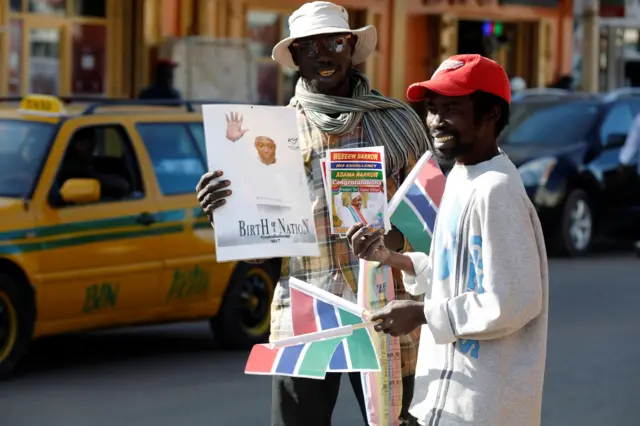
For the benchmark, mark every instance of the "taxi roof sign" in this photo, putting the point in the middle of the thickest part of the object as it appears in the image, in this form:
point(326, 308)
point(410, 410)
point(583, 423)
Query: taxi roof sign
point(42, 105)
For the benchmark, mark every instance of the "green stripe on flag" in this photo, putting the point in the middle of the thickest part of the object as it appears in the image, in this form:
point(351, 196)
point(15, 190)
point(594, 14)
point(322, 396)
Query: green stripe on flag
point(404, 218)
point(361, 351)
point(347, 318)
point(316, 359)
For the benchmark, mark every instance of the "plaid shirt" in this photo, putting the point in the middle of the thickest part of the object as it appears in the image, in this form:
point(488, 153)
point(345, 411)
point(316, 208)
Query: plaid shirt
point(336, 269)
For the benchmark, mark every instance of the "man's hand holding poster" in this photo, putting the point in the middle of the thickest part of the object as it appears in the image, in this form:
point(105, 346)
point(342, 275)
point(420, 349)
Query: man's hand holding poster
point(269, 213)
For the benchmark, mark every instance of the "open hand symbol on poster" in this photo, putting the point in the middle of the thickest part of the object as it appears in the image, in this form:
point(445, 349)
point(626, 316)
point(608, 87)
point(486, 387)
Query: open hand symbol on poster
point(234, 126)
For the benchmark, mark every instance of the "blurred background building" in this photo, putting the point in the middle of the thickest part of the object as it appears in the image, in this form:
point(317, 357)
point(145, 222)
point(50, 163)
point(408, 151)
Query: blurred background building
point(108, 48)
point(619, 28)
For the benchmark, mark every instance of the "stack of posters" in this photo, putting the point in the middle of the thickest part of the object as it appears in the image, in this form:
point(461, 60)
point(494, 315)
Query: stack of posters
point(356, 188)
point(269, 212)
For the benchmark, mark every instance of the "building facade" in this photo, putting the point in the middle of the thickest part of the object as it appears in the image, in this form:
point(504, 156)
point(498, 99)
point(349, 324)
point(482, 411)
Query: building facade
point(107, 48)
point(55, 46)
point(619, 43)
point(530, 38)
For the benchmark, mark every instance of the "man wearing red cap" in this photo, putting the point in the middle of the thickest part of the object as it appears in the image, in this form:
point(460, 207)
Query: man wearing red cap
point(484, 317)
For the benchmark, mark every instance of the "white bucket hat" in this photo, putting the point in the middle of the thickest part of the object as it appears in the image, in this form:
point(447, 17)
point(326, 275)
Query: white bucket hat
point(323, 17)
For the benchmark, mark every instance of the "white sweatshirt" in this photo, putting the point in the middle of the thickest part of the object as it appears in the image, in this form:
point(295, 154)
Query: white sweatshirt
point(482, 354)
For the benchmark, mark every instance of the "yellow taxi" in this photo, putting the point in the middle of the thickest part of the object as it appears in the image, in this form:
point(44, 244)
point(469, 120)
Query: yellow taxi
point(100, 226)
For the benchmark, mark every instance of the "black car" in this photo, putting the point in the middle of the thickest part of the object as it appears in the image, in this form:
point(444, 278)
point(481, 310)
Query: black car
point(566, 146)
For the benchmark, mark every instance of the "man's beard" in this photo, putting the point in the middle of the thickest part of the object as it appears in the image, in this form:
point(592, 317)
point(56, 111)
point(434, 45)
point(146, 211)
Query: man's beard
point(316, 86)
point(450, 154)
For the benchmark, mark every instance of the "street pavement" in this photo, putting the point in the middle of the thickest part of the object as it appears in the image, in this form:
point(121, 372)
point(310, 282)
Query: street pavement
point(173, 375)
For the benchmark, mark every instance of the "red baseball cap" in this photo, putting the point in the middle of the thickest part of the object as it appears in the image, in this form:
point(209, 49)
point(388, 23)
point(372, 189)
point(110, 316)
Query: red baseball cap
point(461, 75)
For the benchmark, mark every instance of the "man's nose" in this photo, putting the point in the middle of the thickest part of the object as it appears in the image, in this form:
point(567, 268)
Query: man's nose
point(323, 59)
point(323, 54)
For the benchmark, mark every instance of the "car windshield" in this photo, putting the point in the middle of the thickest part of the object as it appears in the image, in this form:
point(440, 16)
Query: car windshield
point(24, 144)
point(549, 122)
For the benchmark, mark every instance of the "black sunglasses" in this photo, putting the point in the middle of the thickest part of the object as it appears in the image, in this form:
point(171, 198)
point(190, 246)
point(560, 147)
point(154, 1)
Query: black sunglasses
point(335, 44)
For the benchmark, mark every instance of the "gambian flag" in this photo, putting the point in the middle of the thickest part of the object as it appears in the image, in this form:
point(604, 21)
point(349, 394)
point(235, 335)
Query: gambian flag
point(329, 336)
point(414, 206)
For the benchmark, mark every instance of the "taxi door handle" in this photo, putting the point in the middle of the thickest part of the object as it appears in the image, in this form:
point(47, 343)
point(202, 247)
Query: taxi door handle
point(146, 219)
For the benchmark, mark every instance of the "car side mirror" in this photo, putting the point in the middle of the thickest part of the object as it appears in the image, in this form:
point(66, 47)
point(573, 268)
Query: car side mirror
point(80, 191)
point(616, 140)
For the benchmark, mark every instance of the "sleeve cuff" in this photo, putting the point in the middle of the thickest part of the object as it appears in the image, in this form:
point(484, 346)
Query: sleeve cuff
point(420, 265)
point(437, 315)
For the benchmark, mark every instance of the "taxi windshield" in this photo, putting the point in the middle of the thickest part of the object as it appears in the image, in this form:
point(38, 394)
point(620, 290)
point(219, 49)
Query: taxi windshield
point(24, 145)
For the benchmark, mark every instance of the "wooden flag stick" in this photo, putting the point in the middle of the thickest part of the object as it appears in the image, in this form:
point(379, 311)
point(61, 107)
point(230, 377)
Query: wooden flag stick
point(364, 325)
point(331, 333)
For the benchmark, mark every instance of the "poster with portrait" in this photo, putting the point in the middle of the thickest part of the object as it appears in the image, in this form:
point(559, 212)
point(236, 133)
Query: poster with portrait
point(269, 213)
point(358, 188)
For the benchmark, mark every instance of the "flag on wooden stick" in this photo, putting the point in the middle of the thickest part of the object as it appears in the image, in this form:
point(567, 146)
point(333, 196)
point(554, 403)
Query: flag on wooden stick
point(330, 335)
point(414, 206)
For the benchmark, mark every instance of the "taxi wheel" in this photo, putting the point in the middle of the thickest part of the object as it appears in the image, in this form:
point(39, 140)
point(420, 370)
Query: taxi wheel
point(16, 323)
point(245, 317)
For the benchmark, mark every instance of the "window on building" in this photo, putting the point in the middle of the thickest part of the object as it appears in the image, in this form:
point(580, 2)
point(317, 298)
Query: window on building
point(48, 7)
point(269, 92)
point(176, 160)
point(289, 76)
point(273, 84)
point(89, 66)
point(358, 19)
point(16, 5)
point(104, 153)
point(90, 8)
point(44, 61)
point(14, 61)
point(39, 29)
point(264, 32)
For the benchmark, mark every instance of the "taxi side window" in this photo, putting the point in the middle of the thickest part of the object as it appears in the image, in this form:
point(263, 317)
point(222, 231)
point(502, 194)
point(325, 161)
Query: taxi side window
point(104, 153)
point(175, 156)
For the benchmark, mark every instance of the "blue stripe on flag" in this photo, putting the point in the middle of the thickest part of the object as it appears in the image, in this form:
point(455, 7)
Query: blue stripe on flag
point(339, 359)
point(329, 320)
point(289, 359)
point(327, 315)
point(416, 197)
point(410, 223)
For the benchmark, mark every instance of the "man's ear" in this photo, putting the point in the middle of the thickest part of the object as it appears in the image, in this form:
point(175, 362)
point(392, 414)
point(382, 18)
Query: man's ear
point(353, 41)
point(494, 114)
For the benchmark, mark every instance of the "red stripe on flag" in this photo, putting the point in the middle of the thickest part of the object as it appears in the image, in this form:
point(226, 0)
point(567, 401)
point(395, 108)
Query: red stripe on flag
point(261, 359)
point(303, 315)
point(432, 180)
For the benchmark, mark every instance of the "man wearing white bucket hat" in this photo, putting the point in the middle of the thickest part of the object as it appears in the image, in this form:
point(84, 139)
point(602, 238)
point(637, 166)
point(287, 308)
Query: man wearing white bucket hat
point(337, 109)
